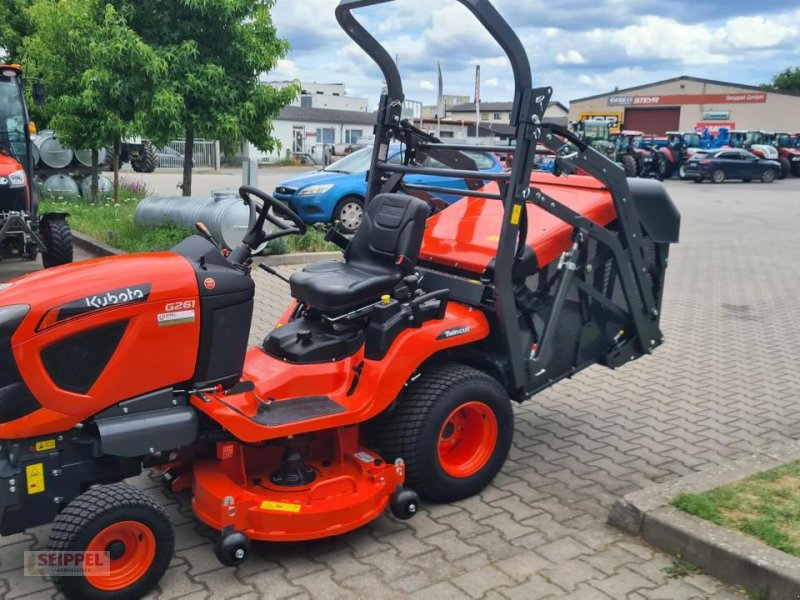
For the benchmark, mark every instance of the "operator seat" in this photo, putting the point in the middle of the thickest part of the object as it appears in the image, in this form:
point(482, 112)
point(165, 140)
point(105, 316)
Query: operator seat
point(384, 249)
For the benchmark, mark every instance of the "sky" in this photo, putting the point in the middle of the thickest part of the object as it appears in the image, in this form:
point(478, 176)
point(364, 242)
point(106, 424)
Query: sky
point(579, 47)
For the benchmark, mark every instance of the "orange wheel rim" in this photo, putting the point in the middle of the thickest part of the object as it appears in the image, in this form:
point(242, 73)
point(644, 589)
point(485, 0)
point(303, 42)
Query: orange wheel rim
point(132, 546)
point(467, 439)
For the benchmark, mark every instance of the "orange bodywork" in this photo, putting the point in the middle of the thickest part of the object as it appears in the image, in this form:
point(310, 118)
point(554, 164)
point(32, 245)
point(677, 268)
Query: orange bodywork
point(148, 357)
point(465, 234)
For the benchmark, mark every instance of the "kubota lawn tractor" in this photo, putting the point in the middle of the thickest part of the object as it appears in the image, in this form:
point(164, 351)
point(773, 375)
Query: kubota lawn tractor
point(23, 233)
point(390, 371)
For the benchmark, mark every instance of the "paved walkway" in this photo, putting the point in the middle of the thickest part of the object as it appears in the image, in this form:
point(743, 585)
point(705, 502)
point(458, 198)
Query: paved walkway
point(725, 382)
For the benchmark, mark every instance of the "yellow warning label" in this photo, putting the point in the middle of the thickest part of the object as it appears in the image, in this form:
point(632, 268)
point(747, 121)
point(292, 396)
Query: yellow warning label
point(280, 506)
point(35, 477)
point(45, 445)
point(493, 238)
point(515, 214)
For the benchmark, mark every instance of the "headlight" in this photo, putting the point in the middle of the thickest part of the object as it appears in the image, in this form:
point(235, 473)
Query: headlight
point(17, 179)
point(315, 190)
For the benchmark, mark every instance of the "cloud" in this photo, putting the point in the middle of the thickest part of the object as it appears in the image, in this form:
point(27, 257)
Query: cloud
point(570, 57)
point(426, 85)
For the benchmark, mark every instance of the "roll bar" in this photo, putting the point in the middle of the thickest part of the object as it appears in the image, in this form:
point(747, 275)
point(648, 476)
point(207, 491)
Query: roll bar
point(483, 10)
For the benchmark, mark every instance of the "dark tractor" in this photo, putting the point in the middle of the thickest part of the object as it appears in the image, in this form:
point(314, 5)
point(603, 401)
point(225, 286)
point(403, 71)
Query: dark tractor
point(638, 158)
point(757, 143)
point(681, 145)
point(23, 232)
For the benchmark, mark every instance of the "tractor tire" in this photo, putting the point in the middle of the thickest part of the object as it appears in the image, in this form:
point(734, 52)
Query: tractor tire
point(666, 168)
point(768, 176)
point(629, 164)
point(146, 163)
point(453, 428)
point(128, 523)
point(718, 176)
point(786, 168)
point(57, 238)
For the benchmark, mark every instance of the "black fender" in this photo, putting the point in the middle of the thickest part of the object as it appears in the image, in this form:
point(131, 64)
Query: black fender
point(53, 216)
point(657, 212)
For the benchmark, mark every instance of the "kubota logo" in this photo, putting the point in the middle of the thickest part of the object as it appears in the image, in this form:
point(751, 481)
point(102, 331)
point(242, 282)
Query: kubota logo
point(114, 297)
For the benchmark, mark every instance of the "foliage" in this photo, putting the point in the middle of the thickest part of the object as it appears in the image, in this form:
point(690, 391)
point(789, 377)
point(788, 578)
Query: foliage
point(788, 80)
point(14, 27)
point(766, 506)
point(112, 222)
point(215, 52)
point(312, 241)
point(101, 78)
point(679, 568)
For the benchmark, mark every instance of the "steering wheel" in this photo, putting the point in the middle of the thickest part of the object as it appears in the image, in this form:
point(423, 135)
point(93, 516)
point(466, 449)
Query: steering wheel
point(255, 236)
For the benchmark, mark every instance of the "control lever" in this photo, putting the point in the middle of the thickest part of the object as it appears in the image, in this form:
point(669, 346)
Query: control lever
point(203, 230)
point(272, 271)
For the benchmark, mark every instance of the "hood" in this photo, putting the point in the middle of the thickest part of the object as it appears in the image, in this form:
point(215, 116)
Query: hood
point(312, 178)
point(8, 165)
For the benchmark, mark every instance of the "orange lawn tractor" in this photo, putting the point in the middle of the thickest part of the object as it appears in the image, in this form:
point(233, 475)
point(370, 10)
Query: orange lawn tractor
point(388, 380)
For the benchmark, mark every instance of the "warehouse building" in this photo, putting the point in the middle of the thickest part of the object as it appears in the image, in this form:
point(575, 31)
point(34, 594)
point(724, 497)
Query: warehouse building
point(689, 103)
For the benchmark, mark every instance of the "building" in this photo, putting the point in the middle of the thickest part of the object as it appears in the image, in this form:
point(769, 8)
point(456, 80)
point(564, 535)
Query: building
point(500, 112)
point(325, 95)
point(429, 112)
point(689, 103)
point(303, 132)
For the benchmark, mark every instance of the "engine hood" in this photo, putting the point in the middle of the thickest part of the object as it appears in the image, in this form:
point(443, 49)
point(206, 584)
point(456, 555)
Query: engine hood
point(8, 165)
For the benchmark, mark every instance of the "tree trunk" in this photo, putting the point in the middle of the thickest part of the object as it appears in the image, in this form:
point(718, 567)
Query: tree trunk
point(117, 150)
point(188, 153)
point(95, 174)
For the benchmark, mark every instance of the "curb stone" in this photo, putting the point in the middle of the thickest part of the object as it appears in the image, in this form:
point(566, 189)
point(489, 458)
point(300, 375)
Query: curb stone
point(723, 553)
point(99, 248)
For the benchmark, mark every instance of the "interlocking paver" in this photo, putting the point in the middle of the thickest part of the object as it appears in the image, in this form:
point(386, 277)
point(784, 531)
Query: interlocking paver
point(725, 383)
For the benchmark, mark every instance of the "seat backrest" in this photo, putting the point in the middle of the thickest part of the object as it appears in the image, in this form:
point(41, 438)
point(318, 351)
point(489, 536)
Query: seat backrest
point(391, 232)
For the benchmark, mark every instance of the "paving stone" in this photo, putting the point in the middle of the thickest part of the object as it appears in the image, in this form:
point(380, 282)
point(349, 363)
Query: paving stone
point(476, 583)
point(533, 589)
point(569, 574)
point(622, 583)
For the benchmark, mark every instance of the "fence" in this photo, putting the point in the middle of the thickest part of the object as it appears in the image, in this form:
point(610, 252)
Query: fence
point(205, 155)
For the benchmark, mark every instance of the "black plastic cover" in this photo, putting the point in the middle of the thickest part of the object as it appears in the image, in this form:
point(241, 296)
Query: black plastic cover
point(306, 341)
point(656, 210)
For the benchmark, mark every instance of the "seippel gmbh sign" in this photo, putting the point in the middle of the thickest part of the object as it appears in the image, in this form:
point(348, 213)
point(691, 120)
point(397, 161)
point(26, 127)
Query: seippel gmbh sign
point(743, 98)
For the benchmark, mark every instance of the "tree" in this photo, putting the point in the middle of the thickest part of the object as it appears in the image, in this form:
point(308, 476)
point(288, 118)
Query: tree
point(101, 78)
point(14, 27)
point(215, 51)
point(788, 79)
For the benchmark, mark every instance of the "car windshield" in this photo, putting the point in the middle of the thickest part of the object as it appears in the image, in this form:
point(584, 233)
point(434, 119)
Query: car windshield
point(784, 141)
point(12, 118)
point(357, 162)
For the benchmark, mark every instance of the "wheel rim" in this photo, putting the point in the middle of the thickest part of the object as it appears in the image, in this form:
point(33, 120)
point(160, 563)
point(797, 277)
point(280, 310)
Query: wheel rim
point(769, 176)
point(718, 176)
point(351, 215)
point(467, 439)
point(682, 172)
point(138, 549)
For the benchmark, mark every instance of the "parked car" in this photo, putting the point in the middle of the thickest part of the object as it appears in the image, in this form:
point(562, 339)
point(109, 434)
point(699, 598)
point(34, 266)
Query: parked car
point(731, 163)
point(336, 193)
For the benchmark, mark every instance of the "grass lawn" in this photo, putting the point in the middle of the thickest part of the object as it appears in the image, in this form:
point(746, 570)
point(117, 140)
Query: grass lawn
point(113, 224)
point(765, 506)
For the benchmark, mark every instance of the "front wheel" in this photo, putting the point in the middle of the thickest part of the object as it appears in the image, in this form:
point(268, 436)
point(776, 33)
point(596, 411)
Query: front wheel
point(57, 238)
point(718, 176)
point(768, 176)
point(629, 164)
point(128, 524)
point(453, 428)
point(350, 213)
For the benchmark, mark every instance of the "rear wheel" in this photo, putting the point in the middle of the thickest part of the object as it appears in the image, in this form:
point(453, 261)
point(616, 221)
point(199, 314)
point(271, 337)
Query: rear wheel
point(349, 212)
point(665, 167)
point(629, 164)
point(768, 176)
point(146, 163)
point(57, 238)
point(786, 168)
point(453, 428)
point(128, 524)
point(718, 176)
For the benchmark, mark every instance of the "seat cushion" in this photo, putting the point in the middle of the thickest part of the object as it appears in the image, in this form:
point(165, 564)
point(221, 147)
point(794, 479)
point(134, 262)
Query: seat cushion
point(335, 287)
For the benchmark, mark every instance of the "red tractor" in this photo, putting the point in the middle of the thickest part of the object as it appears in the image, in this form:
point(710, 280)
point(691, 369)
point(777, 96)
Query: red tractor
point(392, 369)
point(756, 142)
point(637, 155)
point(788, 147)
point(23, 232)
point(680, 146)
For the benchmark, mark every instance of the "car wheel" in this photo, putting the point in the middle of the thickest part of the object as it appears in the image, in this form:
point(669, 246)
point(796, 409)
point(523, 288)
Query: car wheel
point(682, 172)
point(349, 212)
point(768, 176)
point(718, 176)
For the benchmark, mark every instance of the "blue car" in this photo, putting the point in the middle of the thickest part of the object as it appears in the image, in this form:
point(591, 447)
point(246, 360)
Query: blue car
point(731, 163)
point(336, 193)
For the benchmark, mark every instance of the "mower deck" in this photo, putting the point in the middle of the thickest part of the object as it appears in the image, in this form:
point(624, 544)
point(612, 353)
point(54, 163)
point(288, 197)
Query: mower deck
point(465, 235)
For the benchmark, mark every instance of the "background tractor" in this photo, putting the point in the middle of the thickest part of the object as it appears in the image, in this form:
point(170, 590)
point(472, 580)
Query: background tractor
point(757, 143)
point(680, 146)
point(788, 147)
point(23, 233)
point(637, 157)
